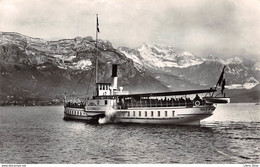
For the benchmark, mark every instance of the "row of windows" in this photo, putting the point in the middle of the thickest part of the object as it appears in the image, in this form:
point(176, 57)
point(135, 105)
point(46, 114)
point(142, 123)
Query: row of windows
point(73, 112)
point(98, 103)
point(152, 113)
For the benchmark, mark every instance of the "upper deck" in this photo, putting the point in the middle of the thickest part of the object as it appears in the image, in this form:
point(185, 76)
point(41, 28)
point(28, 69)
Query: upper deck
point(161, 99)
point(158, 94)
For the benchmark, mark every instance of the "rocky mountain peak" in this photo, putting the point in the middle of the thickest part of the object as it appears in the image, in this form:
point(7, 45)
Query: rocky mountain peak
point(37, 68)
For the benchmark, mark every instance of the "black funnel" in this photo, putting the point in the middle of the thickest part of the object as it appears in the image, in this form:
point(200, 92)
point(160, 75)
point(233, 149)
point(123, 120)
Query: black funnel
point(114, 70)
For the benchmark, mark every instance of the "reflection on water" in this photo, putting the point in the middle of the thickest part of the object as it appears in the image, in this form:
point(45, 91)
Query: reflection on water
point(40, 135)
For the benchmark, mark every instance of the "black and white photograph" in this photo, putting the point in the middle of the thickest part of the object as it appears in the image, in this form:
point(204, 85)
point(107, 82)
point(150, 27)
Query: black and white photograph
point(171, 82)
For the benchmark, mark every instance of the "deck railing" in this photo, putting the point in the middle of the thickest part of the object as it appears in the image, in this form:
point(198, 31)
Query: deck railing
point(187, 104)
point(75, 105)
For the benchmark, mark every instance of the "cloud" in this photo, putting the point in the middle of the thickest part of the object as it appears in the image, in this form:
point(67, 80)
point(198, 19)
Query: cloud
point(224, 27)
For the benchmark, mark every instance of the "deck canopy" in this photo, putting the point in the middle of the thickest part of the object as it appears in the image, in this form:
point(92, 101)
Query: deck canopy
point(176, 93)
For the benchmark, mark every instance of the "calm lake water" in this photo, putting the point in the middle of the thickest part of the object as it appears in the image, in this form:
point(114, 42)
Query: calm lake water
point(40, 135)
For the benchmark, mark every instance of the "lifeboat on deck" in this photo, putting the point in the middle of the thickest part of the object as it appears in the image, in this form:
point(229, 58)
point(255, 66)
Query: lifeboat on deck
point(217, 100)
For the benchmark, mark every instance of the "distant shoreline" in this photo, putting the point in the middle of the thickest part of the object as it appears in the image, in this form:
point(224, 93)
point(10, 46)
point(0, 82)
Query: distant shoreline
point(29, 105)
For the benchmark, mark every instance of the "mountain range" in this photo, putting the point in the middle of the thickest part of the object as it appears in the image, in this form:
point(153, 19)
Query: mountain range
point(36, 71)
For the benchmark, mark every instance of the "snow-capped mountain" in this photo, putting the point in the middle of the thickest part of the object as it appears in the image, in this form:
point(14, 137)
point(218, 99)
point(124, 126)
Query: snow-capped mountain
point(162, 59)
point(160, 56)
point(233, 60)
point(134, 55)
point(33, 68)
point(63, 52)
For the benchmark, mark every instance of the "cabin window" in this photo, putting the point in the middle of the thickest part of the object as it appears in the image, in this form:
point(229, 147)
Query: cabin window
point(139, 113)
point(151, 113)
point(173, 113)
point(145, 113)
point(105, 102)
point(134, 113)
point(158, 113)
point(98, 102)
point(128, 113)
point(165, 113)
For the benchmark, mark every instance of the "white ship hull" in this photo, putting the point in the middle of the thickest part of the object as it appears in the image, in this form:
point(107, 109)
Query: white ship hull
point(157, 115)
point(165, 121)
point(76, 117)
point(168, 115)
point(82, 114)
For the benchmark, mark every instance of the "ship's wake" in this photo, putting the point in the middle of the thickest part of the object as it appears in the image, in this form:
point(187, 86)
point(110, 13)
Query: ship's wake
point(110, 117)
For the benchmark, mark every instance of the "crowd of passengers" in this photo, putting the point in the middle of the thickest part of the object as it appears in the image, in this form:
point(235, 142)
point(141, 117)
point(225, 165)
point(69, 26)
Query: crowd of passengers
point(166, 102)
point(75, 105)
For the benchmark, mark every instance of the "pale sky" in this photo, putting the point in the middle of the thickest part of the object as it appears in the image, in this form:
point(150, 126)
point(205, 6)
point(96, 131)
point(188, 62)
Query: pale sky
point(222, 28)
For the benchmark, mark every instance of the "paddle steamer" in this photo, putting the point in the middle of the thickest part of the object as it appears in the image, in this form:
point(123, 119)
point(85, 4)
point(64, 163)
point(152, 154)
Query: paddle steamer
point(114, 105)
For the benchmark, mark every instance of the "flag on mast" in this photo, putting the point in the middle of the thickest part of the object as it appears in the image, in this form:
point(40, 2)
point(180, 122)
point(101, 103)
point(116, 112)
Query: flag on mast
point(220, 80)
point(97, 25)
point(223, 86)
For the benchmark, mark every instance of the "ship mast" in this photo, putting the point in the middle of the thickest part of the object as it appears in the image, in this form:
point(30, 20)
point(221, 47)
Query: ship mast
point(97, 31)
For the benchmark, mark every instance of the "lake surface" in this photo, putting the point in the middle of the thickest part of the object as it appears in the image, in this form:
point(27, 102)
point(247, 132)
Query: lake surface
point(40, 135)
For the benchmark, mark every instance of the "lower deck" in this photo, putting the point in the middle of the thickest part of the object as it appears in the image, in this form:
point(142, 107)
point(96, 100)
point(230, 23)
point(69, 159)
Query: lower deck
point(167, 115)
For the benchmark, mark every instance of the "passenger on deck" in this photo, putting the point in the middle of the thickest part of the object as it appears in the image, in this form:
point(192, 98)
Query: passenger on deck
point(188, 102)
point(197, 98)
point(182, 101)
